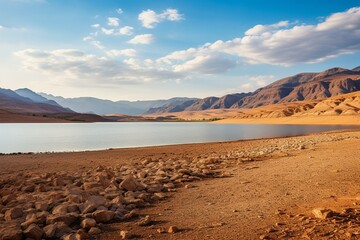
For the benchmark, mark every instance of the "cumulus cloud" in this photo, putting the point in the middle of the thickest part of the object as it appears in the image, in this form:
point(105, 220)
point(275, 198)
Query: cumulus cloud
point(73, 64)
point(281, 43)
point(150, 18)
point(113, 21)
point(142, 39)
point(91, 40)
point(123, 52)
point(262, 80)
point(127, 30)
point(209, 64)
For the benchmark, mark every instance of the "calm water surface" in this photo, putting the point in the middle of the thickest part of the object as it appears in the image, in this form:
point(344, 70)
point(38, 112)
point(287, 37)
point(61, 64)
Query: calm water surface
point(43, 137)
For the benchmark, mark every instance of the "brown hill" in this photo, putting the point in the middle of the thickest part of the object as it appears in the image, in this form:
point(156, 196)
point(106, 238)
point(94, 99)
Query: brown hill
point(15, 108)
point(300, 87)
point(12, 102)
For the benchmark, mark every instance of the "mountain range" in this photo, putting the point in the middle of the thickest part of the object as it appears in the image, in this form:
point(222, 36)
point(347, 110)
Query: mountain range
point(300, 87)
point(102, 107)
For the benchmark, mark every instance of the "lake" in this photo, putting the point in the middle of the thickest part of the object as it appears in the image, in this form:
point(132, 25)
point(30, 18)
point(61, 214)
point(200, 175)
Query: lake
point(47, 137)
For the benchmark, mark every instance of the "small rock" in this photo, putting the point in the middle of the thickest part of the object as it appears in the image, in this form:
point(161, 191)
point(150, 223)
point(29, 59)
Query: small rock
point(322, 213)
point(125, 235)
point(11, 232)
point(40, 206)
point(161, 230)
point(88, 223)
point(131, 184)
point(94, 231)
point(34, 232)
point(72, 236)
point(103, 216)
point(173, 229)
point(146, 221)
point(13, 213)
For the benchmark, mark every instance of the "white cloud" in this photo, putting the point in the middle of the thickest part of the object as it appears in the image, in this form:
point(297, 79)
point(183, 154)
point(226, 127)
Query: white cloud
point(124, 52)
point(113, 21)
point(142, 39)
point(281, 43)
point(127, 30)
point(2, 27)
point(93, 42)
point(209, 64)
point(88, 69)
point(107, 31)
point(95, 25)
point(150, 18)
point(119, 11)
point(262, 80)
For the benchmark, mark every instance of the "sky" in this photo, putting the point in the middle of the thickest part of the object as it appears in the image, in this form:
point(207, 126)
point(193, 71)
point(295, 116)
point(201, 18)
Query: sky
point(158, 49)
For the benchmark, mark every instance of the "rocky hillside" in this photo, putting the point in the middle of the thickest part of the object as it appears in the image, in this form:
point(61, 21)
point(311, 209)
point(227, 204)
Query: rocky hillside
point(13, 102)
point(300, 87)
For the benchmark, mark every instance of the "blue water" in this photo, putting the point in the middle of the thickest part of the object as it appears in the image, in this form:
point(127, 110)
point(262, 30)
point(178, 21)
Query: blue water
point(45, 137)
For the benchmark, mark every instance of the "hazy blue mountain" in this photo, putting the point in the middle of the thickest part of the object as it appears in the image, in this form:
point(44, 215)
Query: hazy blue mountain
point(13, 102)
point(25, 92)
point(101, 106)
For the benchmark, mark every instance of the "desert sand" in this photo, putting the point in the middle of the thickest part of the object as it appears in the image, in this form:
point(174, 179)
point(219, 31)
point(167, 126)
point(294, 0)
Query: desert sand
point(256, 189)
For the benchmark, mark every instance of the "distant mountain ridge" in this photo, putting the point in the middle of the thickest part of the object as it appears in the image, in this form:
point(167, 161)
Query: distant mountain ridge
point(15, 103)
point(300, 87)
point(102, 107)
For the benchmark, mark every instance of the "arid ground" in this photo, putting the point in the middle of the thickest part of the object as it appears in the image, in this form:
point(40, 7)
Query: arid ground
point(259, 189)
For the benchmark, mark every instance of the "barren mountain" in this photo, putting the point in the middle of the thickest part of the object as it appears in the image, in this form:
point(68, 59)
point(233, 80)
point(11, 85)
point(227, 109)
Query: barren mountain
point(300, 87)
point(16, 108)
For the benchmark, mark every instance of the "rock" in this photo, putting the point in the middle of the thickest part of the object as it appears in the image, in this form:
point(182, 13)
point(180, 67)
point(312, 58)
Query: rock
point(94, 231)
point(91, 185)
point(322, 213)
point(29, 188)
point(40, 206)
point(103, 216)
point(34, 232)
point(60, 209)
point(161, 230)
point(131, 184)
point(11, 232)
point(146, 221)
point(159, 196)
point(13, 213)
point(56, 230)
point(68, 218)
point(173, 229)
point(125, 235)
point(72, 236)
point(133, 213)
point(30, 219)
point(8, 198)
point(88, 223)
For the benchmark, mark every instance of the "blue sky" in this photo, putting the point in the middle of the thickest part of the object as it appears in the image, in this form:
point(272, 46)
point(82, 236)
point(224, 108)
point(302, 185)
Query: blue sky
point(136, 49)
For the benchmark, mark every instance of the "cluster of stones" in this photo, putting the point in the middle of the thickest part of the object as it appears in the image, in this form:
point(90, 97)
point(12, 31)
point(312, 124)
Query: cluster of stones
point(77, 205)
point(323, 224)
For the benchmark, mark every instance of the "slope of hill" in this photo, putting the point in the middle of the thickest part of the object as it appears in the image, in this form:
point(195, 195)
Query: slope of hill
point(16, 108)
point(102, 107)
point(341, 109)
point(27, 93)
point(12, 102)
point(300, 87)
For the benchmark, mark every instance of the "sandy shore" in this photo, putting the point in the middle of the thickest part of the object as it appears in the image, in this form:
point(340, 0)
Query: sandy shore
point(236, 190)
point(308, 120)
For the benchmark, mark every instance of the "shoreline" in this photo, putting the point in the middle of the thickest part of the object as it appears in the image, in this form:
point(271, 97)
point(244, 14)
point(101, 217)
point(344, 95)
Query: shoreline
point(302, 120)
point(204, 189)
point(177, 145)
